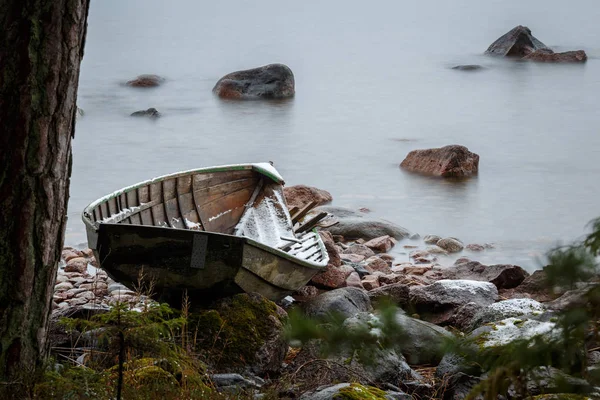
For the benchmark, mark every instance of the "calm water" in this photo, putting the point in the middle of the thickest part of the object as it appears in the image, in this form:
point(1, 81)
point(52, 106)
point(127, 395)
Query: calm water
point(373, 82)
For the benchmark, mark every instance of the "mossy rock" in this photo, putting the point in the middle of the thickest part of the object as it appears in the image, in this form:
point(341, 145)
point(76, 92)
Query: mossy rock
point(242, 333)
point(162, 377)
point(359, 392)
point(152, 376)
point(560, 396)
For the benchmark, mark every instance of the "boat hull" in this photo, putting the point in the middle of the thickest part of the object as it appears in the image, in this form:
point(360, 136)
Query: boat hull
point(203, 264)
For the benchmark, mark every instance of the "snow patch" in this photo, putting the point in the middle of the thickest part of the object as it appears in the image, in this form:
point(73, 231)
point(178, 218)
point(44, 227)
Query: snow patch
point(266, 223)
point(467, 285)
point(523, 306)
point(219, 215)
point(512, 329)
point(124, 213)
point(270, 169)
point(192, 225)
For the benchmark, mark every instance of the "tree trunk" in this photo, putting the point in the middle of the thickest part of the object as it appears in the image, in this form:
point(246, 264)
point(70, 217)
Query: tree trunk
point(41, 46)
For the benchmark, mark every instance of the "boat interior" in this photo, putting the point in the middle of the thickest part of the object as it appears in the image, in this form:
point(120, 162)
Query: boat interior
point(244, 202)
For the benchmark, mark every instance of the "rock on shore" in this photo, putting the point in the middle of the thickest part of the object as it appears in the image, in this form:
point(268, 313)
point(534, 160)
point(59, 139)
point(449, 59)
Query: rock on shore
point(273, 81)
point(354, 224)
point(301, 195)
point(452, 161)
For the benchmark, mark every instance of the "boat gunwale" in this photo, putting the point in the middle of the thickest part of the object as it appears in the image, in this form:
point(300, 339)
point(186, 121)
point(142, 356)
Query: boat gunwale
point(305, 263)
point(257, 167)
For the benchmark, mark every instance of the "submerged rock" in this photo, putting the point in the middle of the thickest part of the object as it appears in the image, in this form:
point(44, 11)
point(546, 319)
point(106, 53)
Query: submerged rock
point(151, 112)
point(451, 245)
point(518, 42)
point(468, 67)
point(146, 81)
point(452, 161)
point(432, 239)
point(546, 55)
point(273, 81)
point(301, 195)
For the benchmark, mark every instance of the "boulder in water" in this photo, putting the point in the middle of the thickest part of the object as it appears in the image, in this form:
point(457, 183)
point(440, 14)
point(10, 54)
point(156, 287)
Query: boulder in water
point(518, 42)
point(146, 81)
point(273, 81)
point(547, 55)
point(468, 67)
point(151, 112)
point(452, 161)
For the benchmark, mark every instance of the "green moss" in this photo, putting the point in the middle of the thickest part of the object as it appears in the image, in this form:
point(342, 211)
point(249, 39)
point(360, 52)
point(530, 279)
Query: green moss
point(74, 383)
point(559, 396)
point(519, 322)
point(152, 376)
point(359, 392)
point(232, 334)
point(481, 340)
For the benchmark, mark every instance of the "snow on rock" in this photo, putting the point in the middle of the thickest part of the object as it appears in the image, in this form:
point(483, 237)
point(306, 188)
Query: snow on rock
point(506, 309)
point(464, 285)
point(511, 329)
point(439, 301)
point(517, 305)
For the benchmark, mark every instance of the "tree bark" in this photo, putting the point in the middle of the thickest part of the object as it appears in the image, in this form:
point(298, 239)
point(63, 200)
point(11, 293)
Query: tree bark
point(41, 47)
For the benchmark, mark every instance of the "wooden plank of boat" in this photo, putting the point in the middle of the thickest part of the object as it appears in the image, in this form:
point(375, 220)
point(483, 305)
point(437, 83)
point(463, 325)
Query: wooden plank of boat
point(300, 214)
point(311, 223)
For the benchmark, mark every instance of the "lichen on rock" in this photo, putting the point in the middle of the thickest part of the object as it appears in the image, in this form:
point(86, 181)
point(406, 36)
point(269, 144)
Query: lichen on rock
point(359, 392)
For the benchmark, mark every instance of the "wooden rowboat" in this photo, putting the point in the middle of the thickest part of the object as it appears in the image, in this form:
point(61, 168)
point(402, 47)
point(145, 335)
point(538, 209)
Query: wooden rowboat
point(210, 232)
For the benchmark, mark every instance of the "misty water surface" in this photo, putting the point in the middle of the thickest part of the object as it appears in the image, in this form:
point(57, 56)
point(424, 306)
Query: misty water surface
point(373, 82)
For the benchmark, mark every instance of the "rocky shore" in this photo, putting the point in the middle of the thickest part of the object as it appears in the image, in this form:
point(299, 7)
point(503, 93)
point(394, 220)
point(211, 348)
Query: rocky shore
point(494, 303)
